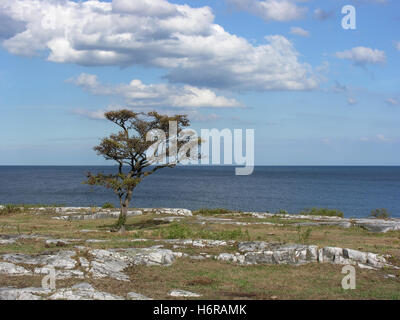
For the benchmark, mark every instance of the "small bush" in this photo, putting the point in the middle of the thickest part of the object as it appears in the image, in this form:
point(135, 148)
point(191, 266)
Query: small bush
point(303, 236)
point(322, 212)
point(108, 205)
point(380, 213)
point(281, 211)
point(10, 208)
point(206, 211)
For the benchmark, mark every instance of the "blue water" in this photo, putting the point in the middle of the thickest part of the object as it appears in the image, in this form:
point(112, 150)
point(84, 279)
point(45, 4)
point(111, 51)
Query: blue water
point(354, 190)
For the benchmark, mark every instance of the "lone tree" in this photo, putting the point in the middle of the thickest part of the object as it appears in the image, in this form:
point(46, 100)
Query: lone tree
point(145, 143)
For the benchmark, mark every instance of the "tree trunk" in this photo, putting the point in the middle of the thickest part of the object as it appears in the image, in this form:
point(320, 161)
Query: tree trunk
point(122, 218)
point(124, 211)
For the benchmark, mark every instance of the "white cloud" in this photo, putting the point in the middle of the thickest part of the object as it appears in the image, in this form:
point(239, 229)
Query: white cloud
point(392, 102)
point(382, 138)
point(379, 138)
point(178, 38)
point(397, 45)
point(136, 93)
point(271, 10)
point(351, 101)
point(299, 32)
point(363, 56)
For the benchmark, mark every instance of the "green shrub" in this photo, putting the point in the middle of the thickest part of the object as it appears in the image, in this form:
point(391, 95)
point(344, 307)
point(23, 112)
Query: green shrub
point(206, 211)
point(108, 205)
point(281, 211)
point(303, 236)
point(380, 213)
point(322, 212)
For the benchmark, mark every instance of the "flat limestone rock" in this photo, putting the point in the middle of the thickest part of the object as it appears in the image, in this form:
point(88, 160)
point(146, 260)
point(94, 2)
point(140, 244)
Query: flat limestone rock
point(137, 296)
point(184, 293)
point(30, 293)
point(370, 224)
point(378, 225)
point(201, 243)
point(259, 252)
point(82, 291)
point(111, 263)
point(169, 211)
point(12, 269)
point(62, 259)
point(60, 274)
point(343, 224)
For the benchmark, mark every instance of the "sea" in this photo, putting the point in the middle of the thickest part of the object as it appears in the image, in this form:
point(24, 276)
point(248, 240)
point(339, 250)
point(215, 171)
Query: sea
point(354, 190)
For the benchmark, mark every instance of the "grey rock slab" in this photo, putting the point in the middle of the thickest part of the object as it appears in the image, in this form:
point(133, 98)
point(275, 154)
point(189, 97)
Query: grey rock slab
point(12, 269)
point(112, 262)
point(61, 259)
point(378, 225)
point(112, 269)
point(60, 274)
point(82, 291)
point(201, 243)
point(183, 293)
point(342, 224)
point(137, 296)
point(259, 252)
point(7, 241)
point(169, 211)
point(30, 293)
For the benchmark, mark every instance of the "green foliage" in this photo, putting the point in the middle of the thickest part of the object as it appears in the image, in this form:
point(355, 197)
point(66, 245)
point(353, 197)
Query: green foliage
point(281, 211)
point(15, 208)
point(303, 236)
point(322, 212)
point(207, 211)
point(108, 205)
point(380, 213)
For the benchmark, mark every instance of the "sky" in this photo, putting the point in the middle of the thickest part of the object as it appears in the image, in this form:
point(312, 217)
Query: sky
point(314, 92)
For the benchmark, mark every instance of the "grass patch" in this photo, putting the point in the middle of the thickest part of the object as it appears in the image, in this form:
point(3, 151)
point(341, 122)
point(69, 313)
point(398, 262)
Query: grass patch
point(322, 212)
point(183, 231)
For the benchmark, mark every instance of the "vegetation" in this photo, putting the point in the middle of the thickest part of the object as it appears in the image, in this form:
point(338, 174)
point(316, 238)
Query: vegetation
point(303, 236)
point(10, 208)
point(108, 205)
point(181, 231)
point(207, 211)
point(144, 144)
point(380, 213)
point(322, 212)
point(212, 278)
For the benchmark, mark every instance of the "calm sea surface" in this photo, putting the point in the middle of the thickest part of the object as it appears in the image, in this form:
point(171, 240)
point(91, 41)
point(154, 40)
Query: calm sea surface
point(354, 190)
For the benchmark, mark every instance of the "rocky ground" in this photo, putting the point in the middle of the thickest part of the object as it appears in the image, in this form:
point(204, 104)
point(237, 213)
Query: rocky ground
point(174, 254)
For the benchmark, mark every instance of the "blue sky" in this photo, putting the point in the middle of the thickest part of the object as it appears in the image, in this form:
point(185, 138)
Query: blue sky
point(314, 93)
